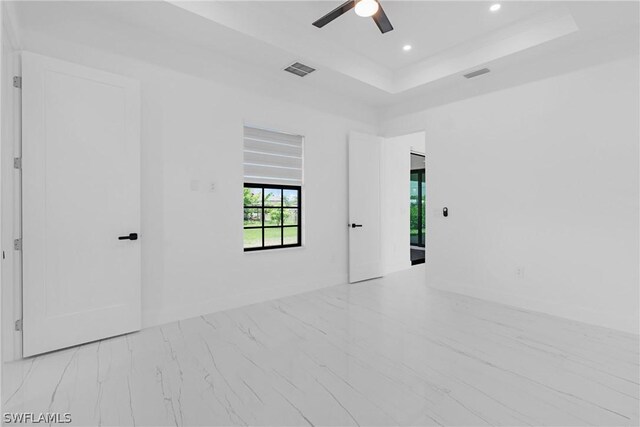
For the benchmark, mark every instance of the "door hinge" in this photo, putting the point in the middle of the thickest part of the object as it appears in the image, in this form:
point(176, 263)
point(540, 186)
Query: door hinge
point(17, 163)
point(17, 244)
point(18, 325)
point(17, 82)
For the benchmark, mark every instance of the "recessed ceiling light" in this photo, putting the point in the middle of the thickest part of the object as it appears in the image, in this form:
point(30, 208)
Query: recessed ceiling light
point(407, 47)
point(495, 7)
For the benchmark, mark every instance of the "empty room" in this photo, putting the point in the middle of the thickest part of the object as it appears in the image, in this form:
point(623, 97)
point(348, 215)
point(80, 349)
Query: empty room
point(320, 213)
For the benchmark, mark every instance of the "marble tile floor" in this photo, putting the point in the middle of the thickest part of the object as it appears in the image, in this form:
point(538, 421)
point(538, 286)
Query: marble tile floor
point(380, 353)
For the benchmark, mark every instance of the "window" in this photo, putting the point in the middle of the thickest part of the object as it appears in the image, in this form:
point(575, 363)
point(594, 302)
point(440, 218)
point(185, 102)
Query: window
point(417, 207)
point(272, 189)
point(271, 216)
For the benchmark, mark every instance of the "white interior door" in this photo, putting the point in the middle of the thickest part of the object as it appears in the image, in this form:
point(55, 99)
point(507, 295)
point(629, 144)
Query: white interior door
point(81, 192)
point(364, 207)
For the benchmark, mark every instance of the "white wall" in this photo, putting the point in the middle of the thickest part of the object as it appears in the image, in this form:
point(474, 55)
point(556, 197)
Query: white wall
point(395, 194)
point(543, 177)
point(192, 256)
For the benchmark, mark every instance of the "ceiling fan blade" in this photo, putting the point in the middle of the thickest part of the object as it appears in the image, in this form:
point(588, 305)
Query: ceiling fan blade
point(342, 9)
point(382, 21)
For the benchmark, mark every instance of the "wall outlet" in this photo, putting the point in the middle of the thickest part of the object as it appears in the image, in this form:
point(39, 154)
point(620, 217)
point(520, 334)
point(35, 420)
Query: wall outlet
point(520, 272)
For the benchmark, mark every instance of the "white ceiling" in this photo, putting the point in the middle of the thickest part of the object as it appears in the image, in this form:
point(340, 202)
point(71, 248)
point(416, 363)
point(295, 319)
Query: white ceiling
point(429, 27)
point(256, 40)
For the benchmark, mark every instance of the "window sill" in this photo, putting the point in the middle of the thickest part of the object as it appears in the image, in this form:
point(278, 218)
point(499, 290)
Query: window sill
point(274, 250)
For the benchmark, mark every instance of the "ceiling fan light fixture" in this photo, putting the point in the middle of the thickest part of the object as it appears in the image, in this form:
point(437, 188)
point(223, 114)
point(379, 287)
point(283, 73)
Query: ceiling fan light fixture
point(367, 8)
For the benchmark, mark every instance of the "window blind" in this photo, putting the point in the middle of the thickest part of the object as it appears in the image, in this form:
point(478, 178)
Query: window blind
point(272, 157)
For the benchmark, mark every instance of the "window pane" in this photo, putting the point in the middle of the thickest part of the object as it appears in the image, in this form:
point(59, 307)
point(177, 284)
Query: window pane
point(272, 197)
point(272, 236)
point(290, 216)
point(290, 235)
point(273, 216)
point(252, 196)
point(290, 197)
point(423, 233)
point(413, 208)
point(252, 216)
point(252, 237)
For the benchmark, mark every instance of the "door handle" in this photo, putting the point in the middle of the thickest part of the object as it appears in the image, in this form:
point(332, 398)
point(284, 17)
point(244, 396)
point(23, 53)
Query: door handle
point(354, 225)
point(131, 236)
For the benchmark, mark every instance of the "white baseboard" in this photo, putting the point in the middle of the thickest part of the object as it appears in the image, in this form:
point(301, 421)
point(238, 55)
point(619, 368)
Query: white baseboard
point(623, 322)
point(152, 318)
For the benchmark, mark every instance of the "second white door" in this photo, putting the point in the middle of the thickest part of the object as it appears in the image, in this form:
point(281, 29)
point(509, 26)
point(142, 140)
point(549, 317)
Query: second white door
point(365, 254)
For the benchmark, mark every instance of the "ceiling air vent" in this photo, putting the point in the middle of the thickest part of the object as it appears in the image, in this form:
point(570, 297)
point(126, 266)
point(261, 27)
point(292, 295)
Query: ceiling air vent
point(299, 69)
point(477, 73)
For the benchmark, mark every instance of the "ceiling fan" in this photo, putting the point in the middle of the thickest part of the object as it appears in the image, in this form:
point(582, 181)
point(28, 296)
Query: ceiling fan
point(364, 8)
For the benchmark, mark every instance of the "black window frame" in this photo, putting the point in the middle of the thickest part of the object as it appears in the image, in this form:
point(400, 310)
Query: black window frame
point(282, 226)
point(422, 178)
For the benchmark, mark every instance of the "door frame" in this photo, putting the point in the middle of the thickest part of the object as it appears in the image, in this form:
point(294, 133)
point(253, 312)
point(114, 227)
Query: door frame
point(10, 187)
point(10, 195)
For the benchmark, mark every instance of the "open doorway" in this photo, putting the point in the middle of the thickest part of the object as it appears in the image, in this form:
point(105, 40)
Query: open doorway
point(417, 208)
point(396, 213)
